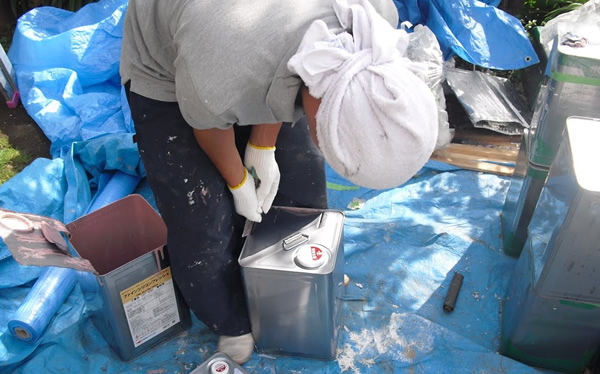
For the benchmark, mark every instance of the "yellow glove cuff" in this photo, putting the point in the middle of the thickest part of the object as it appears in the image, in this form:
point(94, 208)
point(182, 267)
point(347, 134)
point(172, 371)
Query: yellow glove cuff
point(261, 148)
point(242, 182)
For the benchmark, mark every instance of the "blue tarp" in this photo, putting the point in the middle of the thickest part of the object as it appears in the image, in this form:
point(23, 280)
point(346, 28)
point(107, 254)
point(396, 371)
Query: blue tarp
point(476, 31)
point(402, 247)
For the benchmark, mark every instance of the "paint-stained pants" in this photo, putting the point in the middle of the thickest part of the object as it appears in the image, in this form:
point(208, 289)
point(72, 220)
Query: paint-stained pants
point(204, 231)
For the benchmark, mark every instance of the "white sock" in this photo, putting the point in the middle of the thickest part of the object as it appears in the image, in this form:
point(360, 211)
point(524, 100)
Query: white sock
point(238, 348)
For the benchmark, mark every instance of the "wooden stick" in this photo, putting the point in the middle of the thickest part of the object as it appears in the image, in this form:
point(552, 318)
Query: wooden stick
point(477, 158)
point(484, 153)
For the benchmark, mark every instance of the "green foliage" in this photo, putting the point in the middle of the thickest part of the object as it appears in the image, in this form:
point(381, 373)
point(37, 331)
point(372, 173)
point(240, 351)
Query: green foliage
point(538, 12)
point(19, 7)
point(5, 41)
point(12, 161)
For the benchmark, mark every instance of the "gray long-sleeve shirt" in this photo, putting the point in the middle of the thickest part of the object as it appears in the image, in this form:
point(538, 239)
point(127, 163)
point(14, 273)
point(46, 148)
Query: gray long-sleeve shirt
point(223, 61)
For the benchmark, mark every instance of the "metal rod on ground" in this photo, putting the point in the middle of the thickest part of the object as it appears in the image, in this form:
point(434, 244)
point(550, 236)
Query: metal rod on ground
point(452, 294)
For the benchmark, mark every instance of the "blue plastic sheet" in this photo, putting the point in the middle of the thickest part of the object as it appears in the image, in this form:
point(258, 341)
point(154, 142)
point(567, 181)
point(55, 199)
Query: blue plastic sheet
point(68, 71)
point(476, 31)
point(402, 246)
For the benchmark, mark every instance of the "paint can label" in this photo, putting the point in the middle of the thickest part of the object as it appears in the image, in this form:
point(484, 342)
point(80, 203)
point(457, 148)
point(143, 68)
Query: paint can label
point(150, 306)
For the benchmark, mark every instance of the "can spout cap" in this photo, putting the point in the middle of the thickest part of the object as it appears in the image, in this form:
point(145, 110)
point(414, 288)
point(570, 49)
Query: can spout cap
point(312, 256)
point(219, 367)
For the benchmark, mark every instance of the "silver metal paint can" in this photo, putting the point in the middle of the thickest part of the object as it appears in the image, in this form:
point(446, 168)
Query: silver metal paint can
point(292, 268)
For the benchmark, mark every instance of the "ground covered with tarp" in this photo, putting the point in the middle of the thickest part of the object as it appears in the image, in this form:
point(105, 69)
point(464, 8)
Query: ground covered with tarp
point(402, 246)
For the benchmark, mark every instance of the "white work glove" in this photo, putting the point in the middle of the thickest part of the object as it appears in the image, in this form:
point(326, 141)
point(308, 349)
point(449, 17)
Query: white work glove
point(261, 161)
point(244, 199)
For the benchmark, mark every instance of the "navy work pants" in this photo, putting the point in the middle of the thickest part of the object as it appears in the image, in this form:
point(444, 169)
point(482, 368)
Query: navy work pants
point(204, 231)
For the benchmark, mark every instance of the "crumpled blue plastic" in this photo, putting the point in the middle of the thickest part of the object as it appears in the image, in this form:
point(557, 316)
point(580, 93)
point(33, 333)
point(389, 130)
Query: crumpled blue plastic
point(477, 32)
point(67, 68)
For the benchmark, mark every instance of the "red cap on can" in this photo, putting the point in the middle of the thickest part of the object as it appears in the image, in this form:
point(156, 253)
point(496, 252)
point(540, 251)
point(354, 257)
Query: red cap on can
point(219, 367)
point(312, 256)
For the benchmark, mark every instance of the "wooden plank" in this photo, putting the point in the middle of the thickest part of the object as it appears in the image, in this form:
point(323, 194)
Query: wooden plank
point(476, 165)
point(484, 153)
point(478, 158)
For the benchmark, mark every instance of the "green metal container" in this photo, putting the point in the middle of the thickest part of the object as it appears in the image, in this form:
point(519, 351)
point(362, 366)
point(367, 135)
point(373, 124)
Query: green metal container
point(572, 89)
point(551, 313)
point(543, 332)
point(525, 187)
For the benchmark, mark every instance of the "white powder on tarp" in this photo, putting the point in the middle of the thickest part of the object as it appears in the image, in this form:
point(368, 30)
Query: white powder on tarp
point(369, 345)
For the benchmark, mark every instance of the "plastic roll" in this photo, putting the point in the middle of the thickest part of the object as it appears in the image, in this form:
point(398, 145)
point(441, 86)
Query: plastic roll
point(119, 186)
point(46, 296)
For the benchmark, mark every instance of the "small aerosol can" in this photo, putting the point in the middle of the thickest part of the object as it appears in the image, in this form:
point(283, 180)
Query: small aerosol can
point(219, 363)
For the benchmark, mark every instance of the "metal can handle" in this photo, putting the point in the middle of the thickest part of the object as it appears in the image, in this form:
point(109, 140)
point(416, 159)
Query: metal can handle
point(293, 241)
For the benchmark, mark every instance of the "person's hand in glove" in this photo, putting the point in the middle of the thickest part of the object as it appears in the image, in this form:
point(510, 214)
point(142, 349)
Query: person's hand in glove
point(261, 160)
point(245, 199)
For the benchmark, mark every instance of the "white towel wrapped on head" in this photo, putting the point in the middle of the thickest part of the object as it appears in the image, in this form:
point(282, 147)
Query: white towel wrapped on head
point(377, 123)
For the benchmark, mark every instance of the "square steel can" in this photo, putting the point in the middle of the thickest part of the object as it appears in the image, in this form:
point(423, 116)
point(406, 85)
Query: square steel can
point(292, 267)
point(133, 299)
point(551, 313)
point(572, 89)
point(526, 185)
